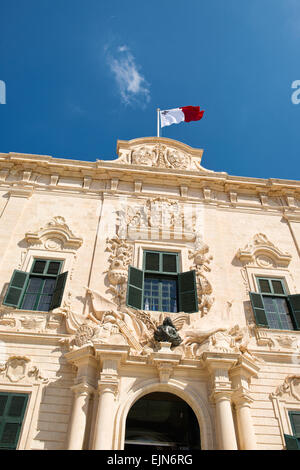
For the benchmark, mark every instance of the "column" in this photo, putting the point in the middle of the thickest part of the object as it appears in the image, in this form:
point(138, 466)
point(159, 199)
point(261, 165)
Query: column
point(245, 426)
point(110, 358)
point(218, 365)
point(103, 437)
point(245, 368)
point(82, 393)
point(224, 420)
point(85, 384)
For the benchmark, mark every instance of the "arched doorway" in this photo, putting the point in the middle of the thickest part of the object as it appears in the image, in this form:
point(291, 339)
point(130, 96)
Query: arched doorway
point(159, 421)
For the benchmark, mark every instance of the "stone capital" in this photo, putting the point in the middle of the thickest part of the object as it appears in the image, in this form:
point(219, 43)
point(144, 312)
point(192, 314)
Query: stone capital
point(218, 366)
point(78, 356)
point(242, 372)
point(241, 397)
point(108, 383)
point(85, 362)
point(220, 394)
point(216, 360)
point(82, 388)
point(109, 353)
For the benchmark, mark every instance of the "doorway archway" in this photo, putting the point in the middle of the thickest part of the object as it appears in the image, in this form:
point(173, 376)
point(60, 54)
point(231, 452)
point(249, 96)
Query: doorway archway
point(161, 421)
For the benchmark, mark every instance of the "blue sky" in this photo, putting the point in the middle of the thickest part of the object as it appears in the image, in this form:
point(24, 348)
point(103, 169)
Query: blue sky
point(81, 74)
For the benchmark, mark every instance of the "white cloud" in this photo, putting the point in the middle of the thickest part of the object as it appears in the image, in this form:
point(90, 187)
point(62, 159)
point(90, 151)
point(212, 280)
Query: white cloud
point(132, 86)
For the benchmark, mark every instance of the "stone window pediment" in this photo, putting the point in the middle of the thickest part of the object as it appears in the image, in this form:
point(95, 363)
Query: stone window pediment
point(55, 235)
point(263, 253)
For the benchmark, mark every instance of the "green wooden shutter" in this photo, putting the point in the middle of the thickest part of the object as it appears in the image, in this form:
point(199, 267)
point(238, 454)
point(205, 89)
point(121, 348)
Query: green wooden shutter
point(291, 442)
point(16, 288)
point(258, 309)
point(187, 292)
point(58, 290)
point(135, 288)
point(294, 302)
point(12, 410)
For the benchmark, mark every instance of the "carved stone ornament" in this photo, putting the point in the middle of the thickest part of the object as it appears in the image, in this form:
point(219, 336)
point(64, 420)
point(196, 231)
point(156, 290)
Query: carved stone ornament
point(200, 264)
point(17, 369)
point(108, 323)
point(169, 219)
point(120, 258)
point(217, 339)
point(263, 253)
point(22, 320)
point(55, 235)
point(160, 153)
point(289, 389)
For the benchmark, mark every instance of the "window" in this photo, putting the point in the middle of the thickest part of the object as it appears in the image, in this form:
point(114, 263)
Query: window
point(293, 442)
point(12, 410)
point(160, 286)
point(273, 308)
point(40, 289)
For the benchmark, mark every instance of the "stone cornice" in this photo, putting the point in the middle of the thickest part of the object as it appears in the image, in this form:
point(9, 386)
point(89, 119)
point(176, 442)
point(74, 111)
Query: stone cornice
point(33, 338)
point(111, 169)
point(24, 174)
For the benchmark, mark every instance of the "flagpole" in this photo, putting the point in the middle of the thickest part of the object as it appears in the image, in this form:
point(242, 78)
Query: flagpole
point(158, 110)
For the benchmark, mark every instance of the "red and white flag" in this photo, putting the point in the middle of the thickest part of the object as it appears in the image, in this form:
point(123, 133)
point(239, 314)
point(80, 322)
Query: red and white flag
point(177, 115)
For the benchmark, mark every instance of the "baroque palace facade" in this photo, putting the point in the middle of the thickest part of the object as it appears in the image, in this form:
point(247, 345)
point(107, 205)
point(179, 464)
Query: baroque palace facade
point(147, 303)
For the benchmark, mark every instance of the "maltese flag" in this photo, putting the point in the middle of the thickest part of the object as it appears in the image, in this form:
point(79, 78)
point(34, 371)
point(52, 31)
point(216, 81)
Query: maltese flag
point(177, 115)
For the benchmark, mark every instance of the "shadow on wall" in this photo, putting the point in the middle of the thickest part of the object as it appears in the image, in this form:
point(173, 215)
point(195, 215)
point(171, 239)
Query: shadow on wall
point(55, 408)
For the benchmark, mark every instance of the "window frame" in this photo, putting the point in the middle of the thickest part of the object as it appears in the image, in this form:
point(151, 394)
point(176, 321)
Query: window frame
point(44, 276)
point(271, 294)
point(135, 291)
point(295, 434)
point(9, 419)
point(161, 275)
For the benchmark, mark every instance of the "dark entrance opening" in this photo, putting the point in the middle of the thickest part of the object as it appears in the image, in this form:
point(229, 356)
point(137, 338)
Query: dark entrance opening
point(161, 421)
